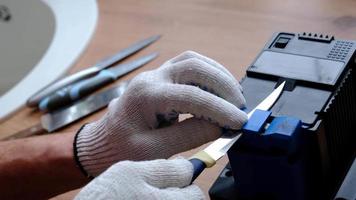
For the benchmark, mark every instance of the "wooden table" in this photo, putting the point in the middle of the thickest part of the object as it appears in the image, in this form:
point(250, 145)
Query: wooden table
point(231, 32)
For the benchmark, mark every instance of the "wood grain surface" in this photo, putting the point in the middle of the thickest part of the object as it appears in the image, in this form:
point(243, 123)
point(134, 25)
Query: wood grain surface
point(229, 31)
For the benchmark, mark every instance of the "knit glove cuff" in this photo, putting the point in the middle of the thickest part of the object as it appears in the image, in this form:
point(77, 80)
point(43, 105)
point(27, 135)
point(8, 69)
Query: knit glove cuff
point(91, 149)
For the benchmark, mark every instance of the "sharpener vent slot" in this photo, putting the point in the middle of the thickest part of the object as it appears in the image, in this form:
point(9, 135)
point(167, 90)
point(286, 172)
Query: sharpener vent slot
point(340, 50)
point(315, 37)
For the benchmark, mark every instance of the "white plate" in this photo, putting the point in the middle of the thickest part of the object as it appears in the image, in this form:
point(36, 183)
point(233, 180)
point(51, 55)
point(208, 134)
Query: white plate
point(39, 41)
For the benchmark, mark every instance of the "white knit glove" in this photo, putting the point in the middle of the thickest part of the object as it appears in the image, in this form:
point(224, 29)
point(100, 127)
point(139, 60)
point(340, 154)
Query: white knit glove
point(157, 179)
point(142, 123)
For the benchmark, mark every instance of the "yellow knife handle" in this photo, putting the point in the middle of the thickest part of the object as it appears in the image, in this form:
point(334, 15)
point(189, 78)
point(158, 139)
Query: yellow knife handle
point(200, 161)
point(205, 158)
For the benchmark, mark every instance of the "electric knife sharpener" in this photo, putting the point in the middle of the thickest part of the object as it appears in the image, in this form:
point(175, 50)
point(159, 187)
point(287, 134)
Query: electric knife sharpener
point(303, 147)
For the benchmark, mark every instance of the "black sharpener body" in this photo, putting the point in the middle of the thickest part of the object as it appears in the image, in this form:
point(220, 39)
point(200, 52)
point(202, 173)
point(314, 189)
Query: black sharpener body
point(320, 92)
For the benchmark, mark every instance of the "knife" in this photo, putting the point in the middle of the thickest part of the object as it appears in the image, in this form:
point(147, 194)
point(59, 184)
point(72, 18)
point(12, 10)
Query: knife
point(208, 156)
point(82, 88)
point(54, 121)
point(34, 100)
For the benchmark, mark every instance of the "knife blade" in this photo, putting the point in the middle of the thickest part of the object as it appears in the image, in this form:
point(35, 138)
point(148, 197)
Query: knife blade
point(82, 88)
point(56, 120)
point(208, 156)
point(34, 100)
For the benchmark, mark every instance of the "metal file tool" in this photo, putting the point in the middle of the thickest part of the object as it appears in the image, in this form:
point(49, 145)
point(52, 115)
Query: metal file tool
point(83, 74)
point(82, 88)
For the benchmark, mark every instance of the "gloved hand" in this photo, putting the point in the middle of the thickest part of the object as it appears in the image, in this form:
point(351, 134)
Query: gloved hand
point(157, 179)
point(132, 128)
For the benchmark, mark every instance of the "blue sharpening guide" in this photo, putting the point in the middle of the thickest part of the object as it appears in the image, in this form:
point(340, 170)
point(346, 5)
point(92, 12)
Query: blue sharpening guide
point(260, 151)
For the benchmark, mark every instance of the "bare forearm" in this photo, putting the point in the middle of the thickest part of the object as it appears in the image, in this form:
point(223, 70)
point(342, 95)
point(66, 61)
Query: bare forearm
point(39, 167)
